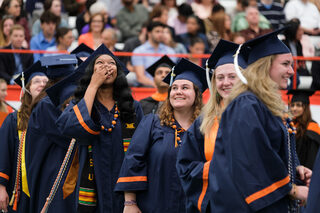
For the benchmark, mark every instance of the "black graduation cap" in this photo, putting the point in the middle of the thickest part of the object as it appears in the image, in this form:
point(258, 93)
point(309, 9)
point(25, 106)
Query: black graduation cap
point(164, 61)
point(26, 76)
point(188, 71)
point(224, 54)
point(62, 90)
point(265, 45)
point(82, 51)
point(301, 95)
point(58, 65)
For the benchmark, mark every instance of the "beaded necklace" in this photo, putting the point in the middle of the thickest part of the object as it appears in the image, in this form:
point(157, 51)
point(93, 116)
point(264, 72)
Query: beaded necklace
point(288, 123)
point(177, 138)
point(114, 121)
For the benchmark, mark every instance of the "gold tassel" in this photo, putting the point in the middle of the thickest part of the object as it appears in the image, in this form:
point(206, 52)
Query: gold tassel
point(175, 138)
point(12, 198)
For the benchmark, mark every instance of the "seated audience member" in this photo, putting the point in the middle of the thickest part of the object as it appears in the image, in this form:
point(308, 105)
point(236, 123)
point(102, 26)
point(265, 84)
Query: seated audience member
point(84, 17)
point(196, 47)
point(169, 40)
point(53, 6)
point(239, 21)
point(109, 39)
point(273, 11)
point(74, 7)
point(152, 45)
point(203, 8)
point(5, 25)
point(306, 12)
point(45, 38)
point(64, 39)
point(4, 108)
point(253, 31)
point(12, 64)
point(238, 38)
point(93, 38)
point(159, 13)
point(131, 18)
point(159, 70)
point(180, 22)
point(14, 8)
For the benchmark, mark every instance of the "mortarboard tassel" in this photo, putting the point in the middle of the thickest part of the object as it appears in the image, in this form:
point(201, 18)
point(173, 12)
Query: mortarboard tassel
point(172, 76)
point(208, 77)
point(236, 66)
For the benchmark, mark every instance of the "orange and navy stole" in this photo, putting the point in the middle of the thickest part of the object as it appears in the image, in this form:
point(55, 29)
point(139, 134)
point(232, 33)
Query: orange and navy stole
point(159, 96)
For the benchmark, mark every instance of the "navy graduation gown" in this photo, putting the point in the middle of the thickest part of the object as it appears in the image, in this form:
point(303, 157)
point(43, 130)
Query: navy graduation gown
point(107, 149)
point(149, 168)
point(249, 169)
point(9, 145)
point(45, 151)
point(193, 169)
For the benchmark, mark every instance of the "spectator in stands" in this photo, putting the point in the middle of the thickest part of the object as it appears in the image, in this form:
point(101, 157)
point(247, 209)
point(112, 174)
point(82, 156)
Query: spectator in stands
point(195, 28)
point(98, 7)
point(74, 7)
point(45, 38)
point(132, 43)
point(13, 7)
point(196, 47)
point(173, 9)
point(273, 11)
point(238, 38)
point(152, 45)
point(306, 12)
point(169, 40)
point(293, 35)
point(159, 13)
point(64, 38)
point(109, 39)
point(4, 108)
point(253, 31)
point(93, 38)
point(53, 6)
point(130, 19)
point(180, 22)
point(203, 8)
point(239, 21)
point(12, 64)
point(84, 17)
point(6, 23)
point(218, 26)
point(209, 22)
point(159, 70)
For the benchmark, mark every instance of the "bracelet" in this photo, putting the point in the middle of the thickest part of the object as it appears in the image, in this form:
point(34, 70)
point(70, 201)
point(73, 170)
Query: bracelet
point(130, 202)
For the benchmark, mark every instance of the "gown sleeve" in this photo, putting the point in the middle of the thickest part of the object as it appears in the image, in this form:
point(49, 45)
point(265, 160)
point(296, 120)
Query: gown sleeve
point(76, 122)
point(8, 132)
point(133, 173)
point(193, 169)
point(250, 136)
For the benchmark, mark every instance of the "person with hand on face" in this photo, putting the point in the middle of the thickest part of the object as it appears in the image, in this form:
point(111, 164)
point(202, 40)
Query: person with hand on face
point(308, 131)
point(254, 157)
point(159, 70)
point(13, 187)
point(102, 117)
point(198, 145)
point(148, 176)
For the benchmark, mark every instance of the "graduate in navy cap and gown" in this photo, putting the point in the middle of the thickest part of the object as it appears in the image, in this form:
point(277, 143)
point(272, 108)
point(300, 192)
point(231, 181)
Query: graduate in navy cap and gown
point(148, 176)
point(159, 70)
point(102, 118)
point(254, 166)
point(13, 181)
point(198, 145)
point(308, 131)
point(82, 51)
point(46, 147)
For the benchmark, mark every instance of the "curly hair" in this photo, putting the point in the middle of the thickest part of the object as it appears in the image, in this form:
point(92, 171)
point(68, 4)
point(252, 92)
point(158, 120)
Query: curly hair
point(166, 109)
point(121, 91)
point(303, 121)
point(261, 84)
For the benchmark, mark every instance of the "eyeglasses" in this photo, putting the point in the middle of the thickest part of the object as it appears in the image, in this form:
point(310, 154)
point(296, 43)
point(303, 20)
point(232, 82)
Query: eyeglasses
point(96, 21)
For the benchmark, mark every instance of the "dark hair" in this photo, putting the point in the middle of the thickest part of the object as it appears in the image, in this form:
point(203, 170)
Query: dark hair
point(303, 121)
point(49, 17)
point(157, 11)
point(195, 40)
point(47, 4)
point(217, 8)
point(185, 10)
point(89, 3)
point(163, 3)
point(61, 31)
point(153, 24)
point(201, 27)
point(291, 29)
point(121, 92)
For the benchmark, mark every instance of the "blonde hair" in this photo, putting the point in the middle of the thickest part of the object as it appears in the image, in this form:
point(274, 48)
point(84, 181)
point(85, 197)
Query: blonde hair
point(261, 84)
point(212, 109)
point(3, 106)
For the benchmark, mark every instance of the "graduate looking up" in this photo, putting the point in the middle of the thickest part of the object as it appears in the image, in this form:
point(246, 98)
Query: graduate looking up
point(45, 146)
point(198, 144)
point(159, 70)
point(148, 176)
point(254, 166)
point(13, 182)
point(102, 117)
point(308, 131)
